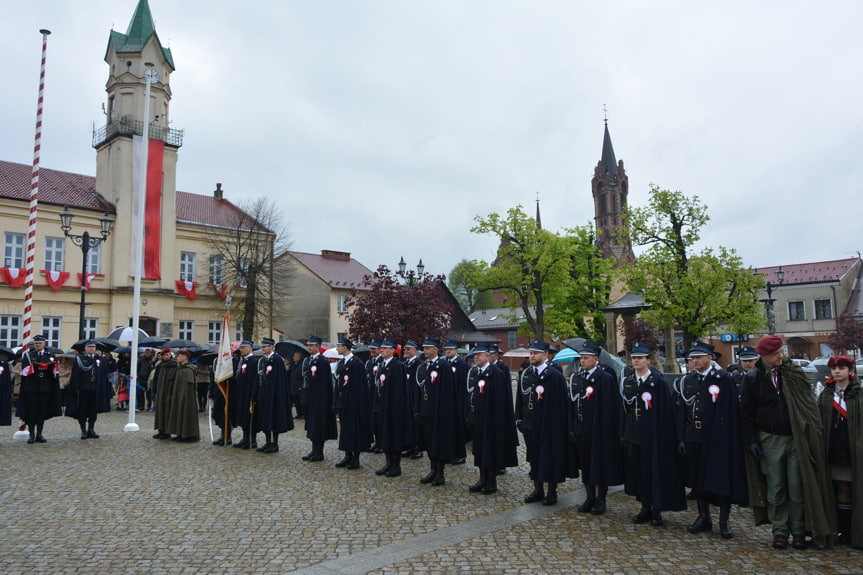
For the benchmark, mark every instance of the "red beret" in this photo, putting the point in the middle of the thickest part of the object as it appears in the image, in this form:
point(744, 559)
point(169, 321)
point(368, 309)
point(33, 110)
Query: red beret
point(185, 352)
point(165, 350)
point(841, 361)
point(768, 344)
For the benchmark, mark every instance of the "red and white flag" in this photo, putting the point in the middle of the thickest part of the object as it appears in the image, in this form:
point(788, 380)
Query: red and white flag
point(85, 281)
point(56, 279)
point(187, 289)
point(152, 208)
point(220, 289)
point(13, 276)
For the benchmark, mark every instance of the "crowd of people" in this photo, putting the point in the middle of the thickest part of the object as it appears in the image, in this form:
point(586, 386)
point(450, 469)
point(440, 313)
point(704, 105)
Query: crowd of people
point(758, 438)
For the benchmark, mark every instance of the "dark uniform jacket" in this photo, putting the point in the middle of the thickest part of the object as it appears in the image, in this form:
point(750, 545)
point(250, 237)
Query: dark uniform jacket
point(320, 417)
point(272, 395)
point(42, 382)
point(89, 375)
point(549, 402)
point(245, 383)
point(494, 435)
point(595, 422)
point(5, 393)
point(397, 423)
point(352, 404)
point(436, 407)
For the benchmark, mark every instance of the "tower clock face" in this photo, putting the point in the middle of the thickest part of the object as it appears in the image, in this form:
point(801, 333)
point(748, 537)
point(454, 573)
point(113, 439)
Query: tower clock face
point(152, 75)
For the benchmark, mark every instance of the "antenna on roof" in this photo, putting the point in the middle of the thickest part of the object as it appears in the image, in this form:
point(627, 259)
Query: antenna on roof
point(605, 114)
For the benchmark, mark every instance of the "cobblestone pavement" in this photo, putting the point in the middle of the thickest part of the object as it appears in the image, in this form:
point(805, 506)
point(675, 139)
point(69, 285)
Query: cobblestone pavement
point(129, 503)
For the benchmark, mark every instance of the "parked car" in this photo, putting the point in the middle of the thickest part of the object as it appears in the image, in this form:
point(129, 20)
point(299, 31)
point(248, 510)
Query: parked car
point(858, 367)
point(801, 362)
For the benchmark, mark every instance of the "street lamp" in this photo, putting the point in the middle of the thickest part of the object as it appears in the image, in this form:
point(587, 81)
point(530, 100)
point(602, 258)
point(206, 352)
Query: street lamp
point(85, 242)
point(768, 303)
point(412, 278)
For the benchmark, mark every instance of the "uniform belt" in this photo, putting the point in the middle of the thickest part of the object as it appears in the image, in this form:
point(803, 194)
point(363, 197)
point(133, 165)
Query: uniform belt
point(580, 417)
point(696, 424)
point(472, 408)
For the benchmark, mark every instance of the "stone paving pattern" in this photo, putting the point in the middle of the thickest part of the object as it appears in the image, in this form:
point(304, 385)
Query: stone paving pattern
point(129, 503)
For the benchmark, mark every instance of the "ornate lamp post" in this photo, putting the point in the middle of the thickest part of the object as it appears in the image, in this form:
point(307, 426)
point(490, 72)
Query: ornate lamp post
point(85, 242)
point(768, 303)
point(412, 278)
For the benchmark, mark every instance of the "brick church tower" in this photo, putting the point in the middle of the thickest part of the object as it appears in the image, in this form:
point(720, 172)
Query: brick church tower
point(610, 186)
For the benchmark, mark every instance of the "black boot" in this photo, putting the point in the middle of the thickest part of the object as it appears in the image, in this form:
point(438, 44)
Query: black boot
point(656, 518)
point(308, 456)
point(346, 460)
point(383, 470)
point(703, 521)
point(724, 513)
point(273, 444)
point(551, 496)
point(91, 432)
point(244, 443)
point(599, 507)
point(355, 461)
point(83, 425)
point(439, 478)
point(537, 495)
point(432, 471)
point(396, 467)
point(39, 438)
point(318, 454)
point(477, 487)
point(490, 483)
point(32, 438)
point(643, 515)
point(590, 500)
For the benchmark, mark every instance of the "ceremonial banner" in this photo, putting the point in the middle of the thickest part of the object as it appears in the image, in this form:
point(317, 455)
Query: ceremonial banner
point(153, 209)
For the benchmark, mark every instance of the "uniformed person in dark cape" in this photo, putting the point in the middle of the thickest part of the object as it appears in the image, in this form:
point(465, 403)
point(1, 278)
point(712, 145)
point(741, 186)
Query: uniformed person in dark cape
point(218, 413)
point(5, 392)
point(459, 371)
point(245, 385)
point(320, 417)
point(272, 397)
point(371, 368)
point(496, 359)
point(397, 422)
point(490, 414)
point(542, 414)
point(39, 394)
point(596, 419)
point(655, 474)
point(746, 358)
point(708, 424)
point(166, 370)
point(435, 407)
point(88, 392)
point(412, 361)
point(352, 406)
point(295, 377)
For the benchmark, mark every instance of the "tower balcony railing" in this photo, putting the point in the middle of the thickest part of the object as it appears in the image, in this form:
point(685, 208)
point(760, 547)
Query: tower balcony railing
point(127, 126)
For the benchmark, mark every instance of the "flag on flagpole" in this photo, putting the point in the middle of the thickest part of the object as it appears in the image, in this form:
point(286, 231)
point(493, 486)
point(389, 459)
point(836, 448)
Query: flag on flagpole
point(224, 364)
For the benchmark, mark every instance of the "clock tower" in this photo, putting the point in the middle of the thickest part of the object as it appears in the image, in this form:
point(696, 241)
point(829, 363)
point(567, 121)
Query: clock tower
point(610, 186)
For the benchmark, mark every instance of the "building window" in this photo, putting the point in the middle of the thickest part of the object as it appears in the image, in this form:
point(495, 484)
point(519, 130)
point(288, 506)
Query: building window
point(54, 254)
point(94, 260)
point(214, 332)
point(187, 266)
point(242, 273)
point(511, 337)
point(13, 251)
point(603, 206)
point(186, 329)
point(823, 309)
point(238, 332)
point(796, 311)
point(217, 270)
point(91, 327)
point(10, 330)
point(51, 329)
point(342, 306)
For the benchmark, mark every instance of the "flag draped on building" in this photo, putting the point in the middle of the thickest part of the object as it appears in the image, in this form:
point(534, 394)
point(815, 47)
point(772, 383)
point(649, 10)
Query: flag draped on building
point(56, 279)
point(153, 207)
point(188, 289)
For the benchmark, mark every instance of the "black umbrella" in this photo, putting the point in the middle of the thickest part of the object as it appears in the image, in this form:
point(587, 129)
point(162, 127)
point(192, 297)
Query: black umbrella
point(106, 343)
point(200, 349)
point(122, 349)
point(362, 352)
point(7, 353)
point(152, 341)
point(604, 357)
point(287, 348)
point(183, 343)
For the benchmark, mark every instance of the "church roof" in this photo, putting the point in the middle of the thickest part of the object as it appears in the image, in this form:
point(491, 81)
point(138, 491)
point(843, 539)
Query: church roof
point(609, 162)
point(141, 29)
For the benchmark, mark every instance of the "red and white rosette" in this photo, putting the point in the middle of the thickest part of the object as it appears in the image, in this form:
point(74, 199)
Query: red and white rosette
point(434, 375)
point(540, 389)
point(481, 385)
point(453, 369)
point(314, 370)
point(646, 397)
point(588, 392)
point(383, 379)
point(345, 384)
point(269, 369)
point(714, 392)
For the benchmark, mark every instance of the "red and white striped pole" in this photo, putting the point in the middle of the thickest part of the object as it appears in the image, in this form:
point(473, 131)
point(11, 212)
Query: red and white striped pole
point(34, 204)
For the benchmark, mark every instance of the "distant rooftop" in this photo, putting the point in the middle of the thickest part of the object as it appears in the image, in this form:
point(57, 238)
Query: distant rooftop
point(497, 318)
point(816, 272)
point(337, 269)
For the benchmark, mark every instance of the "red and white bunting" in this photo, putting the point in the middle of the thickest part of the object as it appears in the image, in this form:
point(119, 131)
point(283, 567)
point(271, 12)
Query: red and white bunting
point(85, 281)
point(187, 289)
point(55, 279)
point(13, 276)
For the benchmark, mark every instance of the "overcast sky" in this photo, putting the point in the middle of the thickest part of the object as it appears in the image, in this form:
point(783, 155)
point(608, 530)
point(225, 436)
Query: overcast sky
point(384, 128)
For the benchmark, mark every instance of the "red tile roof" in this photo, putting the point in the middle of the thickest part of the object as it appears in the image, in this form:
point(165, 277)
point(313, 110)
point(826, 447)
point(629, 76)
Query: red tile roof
point(55, 187)
point(337, 273)
point(79, 191)
point(815, 272)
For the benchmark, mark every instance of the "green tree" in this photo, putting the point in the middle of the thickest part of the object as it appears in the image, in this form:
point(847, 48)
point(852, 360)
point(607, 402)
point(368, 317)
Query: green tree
point(554, 279)
point(470, 298)
point(696, 291)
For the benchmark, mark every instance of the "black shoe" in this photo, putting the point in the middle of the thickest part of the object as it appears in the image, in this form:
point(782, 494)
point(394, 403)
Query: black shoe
point(346, 461)
point(177, 438)
point(701, 523)
point(31, 439)
point(308, 455)
point(438, 480)
point(780, 542)
point(428, 477)
point(550, 498)
point(657, 520)
point(92, 434)
point(220, 441)
point(383, 470)
point(316, 457)
point(272, 448)
point(416, 455)
point(588, 504)
point(40, 439)
point(500, 471)
point(477, 487)
point(535, 496)
point(263, 448)
point(642, 517)
point(598, 507)
point(254, 445)
point(725, 530)
point(244, 444)
point(162, 436)
point(490, 487)
point(798, 542)
point(83, 435)
point(377, 449)
point(459, 461)
point(393, 471)
point(691, 496)
point(355, 462)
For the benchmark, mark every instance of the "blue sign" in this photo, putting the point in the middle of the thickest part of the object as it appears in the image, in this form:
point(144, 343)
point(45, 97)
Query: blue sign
point(729, 337)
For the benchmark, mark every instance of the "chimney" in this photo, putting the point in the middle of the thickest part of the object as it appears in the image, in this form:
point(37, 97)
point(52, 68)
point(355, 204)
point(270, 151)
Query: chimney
point(334, 255)
point(217, 193)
